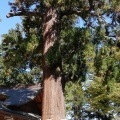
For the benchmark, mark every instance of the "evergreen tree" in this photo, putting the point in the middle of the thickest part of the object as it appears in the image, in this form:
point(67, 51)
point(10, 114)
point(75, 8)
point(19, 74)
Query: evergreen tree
point(54, 17)
point(103, 93)
point(106, 74)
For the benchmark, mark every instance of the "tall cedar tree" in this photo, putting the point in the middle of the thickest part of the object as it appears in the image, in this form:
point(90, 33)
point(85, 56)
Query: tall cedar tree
point(52, 14)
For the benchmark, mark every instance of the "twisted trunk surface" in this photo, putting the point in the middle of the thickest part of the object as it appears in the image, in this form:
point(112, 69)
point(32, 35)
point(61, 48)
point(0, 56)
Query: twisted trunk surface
point(53, 98)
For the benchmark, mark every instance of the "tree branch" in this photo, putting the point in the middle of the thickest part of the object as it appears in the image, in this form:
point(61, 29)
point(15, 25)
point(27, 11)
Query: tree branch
point(24, 13)
point(70, 12)
point(88, 23)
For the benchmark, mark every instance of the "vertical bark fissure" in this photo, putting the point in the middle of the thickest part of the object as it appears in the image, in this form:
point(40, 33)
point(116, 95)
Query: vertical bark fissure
point(53, 98)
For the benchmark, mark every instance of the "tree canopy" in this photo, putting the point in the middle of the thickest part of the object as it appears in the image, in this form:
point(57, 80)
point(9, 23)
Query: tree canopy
point(77, 54)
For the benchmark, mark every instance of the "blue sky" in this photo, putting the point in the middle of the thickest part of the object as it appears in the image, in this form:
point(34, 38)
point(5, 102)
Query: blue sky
point(6, 23)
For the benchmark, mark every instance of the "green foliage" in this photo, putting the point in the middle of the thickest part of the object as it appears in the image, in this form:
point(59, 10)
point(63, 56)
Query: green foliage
point(98, 97)
point(74, 98)
point(80, 53)
point(106, 79)
point(74, 52)
point(20, 62)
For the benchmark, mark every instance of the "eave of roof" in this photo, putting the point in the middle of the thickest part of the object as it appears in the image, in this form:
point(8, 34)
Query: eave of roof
point(18, 114)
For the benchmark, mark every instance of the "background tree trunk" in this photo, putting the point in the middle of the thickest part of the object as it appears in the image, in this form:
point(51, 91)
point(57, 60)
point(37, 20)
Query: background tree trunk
point(53, 98)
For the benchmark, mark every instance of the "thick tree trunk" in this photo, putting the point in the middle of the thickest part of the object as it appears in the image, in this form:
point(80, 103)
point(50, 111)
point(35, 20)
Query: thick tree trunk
point(53, 98)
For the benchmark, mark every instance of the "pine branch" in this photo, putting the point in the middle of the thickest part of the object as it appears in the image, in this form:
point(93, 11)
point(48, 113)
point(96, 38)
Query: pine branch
point(24, 13)
point(70, 12)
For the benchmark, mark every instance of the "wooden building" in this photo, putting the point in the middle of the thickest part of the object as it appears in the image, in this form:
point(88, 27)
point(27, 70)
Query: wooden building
point(22, 102)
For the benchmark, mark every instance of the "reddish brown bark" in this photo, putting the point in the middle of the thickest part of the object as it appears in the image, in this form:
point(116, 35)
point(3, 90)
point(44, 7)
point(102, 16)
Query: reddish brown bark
point(53, 98)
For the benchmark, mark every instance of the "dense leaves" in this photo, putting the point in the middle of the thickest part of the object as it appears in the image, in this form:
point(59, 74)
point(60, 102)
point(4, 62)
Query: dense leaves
point(20, 64)
point(90, 52)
